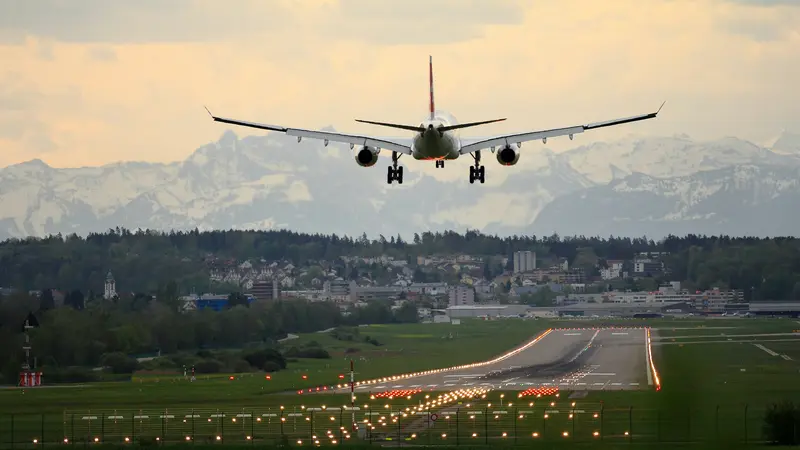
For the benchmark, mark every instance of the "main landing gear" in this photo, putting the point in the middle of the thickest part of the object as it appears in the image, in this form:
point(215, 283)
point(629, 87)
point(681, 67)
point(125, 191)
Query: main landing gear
point(440, 163)
point(477, 172)
point(394, 172)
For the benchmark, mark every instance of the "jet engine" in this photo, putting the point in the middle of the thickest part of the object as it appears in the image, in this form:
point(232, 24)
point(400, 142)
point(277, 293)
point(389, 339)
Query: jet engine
point(508, 155)
point(367, 156)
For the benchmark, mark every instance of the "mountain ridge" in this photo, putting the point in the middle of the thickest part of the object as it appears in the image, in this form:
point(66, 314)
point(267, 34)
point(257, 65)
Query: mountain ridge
point(253, 182)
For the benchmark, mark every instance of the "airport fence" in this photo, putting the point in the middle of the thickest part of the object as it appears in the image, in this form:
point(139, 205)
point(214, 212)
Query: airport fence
point(456, 425)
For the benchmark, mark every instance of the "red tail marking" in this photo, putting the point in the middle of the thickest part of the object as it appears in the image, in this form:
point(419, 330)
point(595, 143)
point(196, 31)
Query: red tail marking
point(430, 73)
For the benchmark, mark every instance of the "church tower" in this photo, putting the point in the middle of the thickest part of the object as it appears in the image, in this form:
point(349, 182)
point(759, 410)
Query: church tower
point(110, 287)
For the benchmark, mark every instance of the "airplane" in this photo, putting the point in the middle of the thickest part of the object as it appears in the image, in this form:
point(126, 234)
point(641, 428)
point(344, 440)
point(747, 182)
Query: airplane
point(435, 139)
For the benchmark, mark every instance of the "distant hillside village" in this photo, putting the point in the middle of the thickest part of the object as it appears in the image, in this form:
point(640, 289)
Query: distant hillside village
point(444, 287)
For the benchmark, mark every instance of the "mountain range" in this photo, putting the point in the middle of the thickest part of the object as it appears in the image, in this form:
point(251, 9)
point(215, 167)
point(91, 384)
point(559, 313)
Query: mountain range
point(634, 186)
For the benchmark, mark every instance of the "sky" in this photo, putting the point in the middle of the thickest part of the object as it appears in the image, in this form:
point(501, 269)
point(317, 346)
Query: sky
point(91, 82)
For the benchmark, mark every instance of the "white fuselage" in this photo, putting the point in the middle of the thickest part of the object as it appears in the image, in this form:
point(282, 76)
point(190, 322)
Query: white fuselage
point(432, 145)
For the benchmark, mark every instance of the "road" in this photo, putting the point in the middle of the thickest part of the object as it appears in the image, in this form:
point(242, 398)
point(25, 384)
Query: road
point(573, 359)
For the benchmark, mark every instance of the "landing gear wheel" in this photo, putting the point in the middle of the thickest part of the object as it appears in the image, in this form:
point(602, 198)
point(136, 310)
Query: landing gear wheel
point(394, 172)
point(477, 172)
point(439, 164)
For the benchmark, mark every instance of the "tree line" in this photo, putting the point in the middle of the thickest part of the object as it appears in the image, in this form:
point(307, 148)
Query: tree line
point(101, 330)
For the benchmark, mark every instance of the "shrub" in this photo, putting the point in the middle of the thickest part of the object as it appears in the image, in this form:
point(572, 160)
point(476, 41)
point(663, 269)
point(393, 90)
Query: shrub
point(258, 358)
point(271, 366)
point(242, 366)
point(119, 362)
point(782, 424)
point(373, 341)
point(208, 366)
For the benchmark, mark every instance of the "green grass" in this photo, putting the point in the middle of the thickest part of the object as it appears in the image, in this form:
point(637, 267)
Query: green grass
point(696, 379)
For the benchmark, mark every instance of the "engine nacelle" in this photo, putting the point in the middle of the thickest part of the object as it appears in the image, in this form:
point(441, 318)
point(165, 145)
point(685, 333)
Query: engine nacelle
point(367, 156)
point(508, 155)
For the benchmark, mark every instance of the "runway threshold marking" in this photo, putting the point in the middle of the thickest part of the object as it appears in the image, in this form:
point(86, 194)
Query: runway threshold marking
point(572, 334)
point(619, 334)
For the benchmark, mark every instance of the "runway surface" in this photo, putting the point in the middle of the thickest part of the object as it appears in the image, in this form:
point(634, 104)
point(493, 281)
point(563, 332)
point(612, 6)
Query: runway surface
point(577, 359)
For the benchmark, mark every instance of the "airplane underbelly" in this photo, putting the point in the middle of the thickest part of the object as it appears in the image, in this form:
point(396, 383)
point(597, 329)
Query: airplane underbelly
point(434, 147)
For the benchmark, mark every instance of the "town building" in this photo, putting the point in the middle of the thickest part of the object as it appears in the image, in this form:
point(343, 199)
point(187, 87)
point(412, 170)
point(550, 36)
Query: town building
point(524, 261)
point(461, 295)
point(266, 290)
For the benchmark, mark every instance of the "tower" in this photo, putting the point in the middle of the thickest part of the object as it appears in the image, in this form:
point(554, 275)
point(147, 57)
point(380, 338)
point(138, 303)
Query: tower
point(110, 290)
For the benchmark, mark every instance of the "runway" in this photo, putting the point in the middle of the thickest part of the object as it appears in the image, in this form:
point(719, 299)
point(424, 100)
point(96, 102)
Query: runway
point(569, 359)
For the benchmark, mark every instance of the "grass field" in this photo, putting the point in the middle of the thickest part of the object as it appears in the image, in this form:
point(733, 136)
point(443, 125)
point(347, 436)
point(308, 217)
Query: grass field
point(711, 392)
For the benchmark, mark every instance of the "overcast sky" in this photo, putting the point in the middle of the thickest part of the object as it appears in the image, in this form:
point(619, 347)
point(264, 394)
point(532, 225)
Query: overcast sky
point(87, 82)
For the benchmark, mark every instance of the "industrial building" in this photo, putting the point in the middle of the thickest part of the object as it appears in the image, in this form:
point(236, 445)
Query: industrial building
point(625, 309)
point(577, 310)
point(215, 302)
point(788, 308)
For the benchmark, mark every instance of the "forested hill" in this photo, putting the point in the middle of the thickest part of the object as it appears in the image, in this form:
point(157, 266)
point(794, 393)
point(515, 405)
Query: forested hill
point(149, 260)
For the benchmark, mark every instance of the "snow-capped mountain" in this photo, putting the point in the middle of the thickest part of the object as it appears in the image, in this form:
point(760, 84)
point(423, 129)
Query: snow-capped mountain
point(786, 143)
point(273, 181)
point(738, 200)
point(673, 156)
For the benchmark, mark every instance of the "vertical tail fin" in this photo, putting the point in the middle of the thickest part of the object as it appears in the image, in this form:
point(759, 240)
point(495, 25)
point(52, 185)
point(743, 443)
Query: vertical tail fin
point(430, 72)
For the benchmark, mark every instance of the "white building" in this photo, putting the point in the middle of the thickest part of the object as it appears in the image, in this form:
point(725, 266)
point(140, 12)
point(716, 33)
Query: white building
point(110, 290)
point(524, 261)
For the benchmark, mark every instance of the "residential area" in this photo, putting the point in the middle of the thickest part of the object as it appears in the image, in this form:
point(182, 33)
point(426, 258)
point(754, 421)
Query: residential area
point(461, 285)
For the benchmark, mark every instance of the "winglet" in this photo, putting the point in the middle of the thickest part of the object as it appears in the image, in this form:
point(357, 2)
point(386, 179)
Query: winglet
point(209, 112)
point(659, 108)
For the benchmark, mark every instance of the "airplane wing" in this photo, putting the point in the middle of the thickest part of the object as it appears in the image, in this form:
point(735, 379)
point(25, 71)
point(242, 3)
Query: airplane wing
point(325, 136)
point(544, 134)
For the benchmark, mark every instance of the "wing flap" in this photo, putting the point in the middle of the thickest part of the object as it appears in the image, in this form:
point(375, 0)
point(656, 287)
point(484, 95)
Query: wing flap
point(350, 139)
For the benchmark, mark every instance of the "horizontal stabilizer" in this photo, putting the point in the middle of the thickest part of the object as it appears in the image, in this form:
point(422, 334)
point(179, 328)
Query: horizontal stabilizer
point(467, 125)
point(393, 125)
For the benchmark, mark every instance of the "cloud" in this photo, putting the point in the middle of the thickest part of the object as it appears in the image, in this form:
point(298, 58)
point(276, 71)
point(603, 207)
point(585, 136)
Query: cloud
point(762, 21)
point(102, 53)
point(768, 3)
point(421, 21)
point(142, 21)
